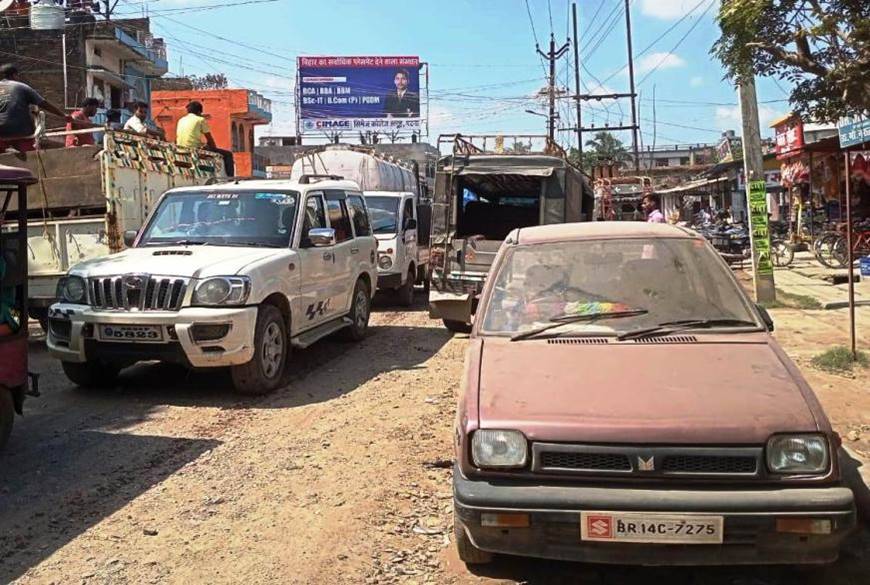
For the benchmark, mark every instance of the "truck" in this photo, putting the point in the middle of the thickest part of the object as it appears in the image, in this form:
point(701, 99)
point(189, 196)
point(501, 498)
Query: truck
point(480, 197)
point(401, 211)
point(87, 196)
point(230, 275)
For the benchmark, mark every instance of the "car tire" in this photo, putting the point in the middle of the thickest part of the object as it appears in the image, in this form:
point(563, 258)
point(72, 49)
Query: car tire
point(406, 291)
point(91, 374)
point(457, 326)
point(360, 311)
point(468, 553)
point(7, 415)
point(265, 372)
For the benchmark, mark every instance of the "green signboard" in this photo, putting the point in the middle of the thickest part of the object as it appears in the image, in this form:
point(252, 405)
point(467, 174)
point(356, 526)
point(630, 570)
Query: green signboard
point(758, 225)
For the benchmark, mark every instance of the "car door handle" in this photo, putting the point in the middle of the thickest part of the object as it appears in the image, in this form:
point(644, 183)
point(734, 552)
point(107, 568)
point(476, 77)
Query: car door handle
point(327, 255)
point(354, 250)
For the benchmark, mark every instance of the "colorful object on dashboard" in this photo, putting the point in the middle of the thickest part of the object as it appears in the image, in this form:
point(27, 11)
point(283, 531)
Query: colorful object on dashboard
point(595, 308)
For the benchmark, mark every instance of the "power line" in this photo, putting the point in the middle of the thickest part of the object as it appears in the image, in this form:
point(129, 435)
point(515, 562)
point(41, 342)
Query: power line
point(680, 42)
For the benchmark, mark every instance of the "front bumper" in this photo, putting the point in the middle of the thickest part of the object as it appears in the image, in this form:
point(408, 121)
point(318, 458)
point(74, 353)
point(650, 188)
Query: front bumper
point(750, 535)
point(235, 348)
point(388, 280)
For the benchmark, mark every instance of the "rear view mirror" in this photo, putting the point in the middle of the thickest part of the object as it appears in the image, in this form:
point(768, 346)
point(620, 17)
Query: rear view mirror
point(321, 237)
point(765, 316)
point(130, 238)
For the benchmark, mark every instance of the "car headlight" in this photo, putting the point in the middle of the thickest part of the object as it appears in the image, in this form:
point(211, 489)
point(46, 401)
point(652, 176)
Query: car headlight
point(385, 262)
point(222, 290)
point(797, 454)
point(71, 289)
point(498, 448)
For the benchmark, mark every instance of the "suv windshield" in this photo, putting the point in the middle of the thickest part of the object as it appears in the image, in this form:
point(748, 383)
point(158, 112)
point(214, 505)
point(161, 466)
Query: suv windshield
point(385, 214)
point(614, 287)
point(225, 218)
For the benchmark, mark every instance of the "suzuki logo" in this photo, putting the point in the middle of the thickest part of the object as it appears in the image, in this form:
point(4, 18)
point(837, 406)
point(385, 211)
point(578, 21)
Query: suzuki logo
point(646, 464)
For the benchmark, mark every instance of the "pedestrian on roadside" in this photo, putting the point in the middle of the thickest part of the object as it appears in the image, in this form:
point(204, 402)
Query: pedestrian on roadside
point(81, 119)
point(137, 122)
point(650, 206)
point(17, 127)
point(193, 128)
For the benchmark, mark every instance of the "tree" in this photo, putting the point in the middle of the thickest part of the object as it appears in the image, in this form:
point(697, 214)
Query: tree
point(606, 149)
point(821, 46)
point(209, 81)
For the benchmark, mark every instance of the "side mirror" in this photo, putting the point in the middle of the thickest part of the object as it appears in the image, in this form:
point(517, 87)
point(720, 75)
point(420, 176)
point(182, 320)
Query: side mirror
point(321, 237)
point(765, 316)
point(410, 224)
point(129, 238)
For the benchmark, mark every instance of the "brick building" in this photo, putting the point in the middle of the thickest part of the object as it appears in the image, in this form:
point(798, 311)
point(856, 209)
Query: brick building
point(113, 61)
point(232, 115)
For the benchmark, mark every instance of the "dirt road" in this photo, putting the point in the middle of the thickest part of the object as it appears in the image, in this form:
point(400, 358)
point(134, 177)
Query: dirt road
point(344, 477)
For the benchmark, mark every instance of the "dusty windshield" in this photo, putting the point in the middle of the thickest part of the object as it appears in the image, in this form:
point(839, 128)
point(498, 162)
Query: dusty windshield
point(612, 287)
point(385, 214)
point(242, 218)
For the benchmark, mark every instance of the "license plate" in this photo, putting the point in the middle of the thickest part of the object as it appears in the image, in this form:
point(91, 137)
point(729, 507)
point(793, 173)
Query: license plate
point(650, 527)
point(131, 333)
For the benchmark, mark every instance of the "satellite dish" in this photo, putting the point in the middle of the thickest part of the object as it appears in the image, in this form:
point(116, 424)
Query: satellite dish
point(4, 4)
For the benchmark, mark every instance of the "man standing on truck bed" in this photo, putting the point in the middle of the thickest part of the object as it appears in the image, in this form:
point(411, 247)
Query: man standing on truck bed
point(192, 128)
point(80, 120)
point(137, 122)
point(16, 123)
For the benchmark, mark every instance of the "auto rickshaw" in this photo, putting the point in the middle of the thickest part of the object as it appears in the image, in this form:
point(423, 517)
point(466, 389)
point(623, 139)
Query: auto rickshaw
point(14, 377)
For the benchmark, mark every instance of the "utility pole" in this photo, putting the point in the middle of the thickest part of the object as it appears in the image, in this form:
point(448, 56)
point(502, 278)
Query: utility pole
point(631, 81)
point(577, 84)
point(552, 56)
point(756, 193)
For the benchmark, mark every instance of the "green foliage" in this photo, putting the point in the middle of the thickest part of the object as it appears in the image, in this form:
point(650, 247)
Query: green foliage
point(209, 81)
point(821, 46)
point(603, 149)
point(839, 360)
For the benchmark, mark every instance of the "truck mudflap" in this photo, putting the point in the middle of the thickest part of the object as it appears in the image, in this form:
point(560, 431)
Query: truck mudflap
point(450, 306)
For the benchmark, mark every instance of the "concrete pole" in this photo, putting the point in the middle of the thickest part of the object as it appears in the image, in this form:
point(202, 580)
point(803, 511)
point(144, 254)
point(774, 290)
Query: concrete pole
point(753, 165)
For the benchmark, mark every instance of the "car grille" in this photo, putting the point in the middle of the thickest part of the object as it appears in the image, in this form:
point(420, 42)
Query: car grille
point(137, 292)
point(647, 462)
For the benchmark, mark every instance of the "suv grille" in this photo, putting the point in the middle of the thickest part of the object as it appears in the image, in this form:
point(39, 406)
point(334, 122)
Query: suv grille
point(137, 292)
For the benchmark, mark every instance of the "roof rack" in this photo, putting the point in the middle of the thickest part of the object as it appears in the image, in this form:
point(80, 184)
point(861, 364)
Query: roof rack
point(308, 179)
point(467, 144)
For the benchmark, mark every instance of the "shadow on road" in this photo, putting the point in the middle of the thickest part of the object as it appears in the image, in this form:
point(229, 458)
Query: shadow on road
point(54, 489)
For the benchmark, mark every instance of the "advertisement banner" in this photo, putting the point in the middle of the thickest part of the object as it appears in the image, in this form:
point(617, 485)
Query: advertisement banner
point(789, 137)
point(854, 131)
point(759, 228)
point(359, 94)
point(729, 149)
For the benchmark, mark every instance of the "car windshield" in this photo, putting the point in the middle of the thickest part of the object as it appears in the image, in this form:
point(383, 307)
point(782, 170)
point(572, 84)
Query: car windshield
point(385, 214)
point(236, 218)
point(613, 287)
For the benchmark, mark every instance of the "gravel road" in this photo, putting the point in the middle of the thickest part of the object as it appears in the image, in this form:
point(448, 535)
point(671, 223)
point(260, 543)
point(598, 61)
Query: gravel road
point(343, 477)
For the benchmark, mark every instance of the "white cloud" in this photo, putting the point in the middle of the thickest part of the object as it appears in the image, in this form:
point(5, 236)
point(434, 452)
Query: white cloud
point(697, 81)
point(659, 61)
point(728, 117)
point(673, 9)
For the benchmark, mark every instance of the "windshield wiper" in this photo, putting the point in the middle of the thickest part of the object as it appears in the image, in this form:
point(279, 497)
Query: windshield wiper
point(669, 327)
point(560, 320)
point(252, 244)
point(178, 243)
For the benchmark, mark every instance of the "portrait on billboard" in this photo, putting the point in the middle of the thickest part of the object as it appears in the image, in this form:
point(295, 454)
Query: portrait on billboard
point(402, 102)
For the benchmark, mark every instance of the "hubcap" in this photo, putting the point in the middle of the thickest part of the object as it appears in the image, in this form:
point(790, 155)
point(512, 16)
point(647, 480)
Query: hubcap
point(362, 307)
point(272, 352)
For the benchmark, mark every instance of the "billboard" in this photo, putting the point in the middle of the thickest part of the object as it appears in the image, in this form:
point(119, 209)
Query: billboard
point(358, 94)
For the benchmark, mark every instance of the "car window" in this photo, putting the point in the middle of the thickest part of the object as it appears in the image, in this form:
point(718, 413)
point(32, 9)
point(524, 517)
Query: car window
point(339, 218)
point(644, 282)
point(315, 216)
point(359, 215)
point(408, 211)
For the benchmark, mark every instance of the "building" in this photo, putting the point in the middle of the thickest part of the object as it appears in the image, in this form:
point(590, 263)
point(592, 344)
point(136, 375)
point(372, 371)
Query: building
point(232, 115)
point(282, 151)
point(113, 61)
point(672, 156)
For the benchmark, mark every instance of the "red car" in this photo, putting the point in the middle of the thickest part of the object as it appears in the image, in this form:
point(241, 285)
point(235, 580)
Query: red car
point(624, 402)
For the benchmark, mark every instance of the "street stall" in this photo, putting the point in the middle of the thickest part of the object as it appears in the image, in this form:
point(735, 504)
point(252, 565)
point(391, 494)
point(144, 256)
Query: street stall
point(685, 202)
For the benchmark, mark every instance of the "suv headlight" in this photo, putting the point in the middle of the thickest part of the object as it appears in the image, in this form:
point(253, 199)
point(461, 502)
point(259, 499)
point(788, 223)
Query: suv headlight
point(71, 289)
point(385, 262)
point(797, 454)
point(222, 290)
point(499, 449)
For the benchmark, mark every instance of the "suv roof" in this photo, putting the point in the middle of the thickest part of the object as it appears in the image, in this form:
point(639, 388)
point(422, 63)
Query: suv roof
point(599, 230)
point(274, 184)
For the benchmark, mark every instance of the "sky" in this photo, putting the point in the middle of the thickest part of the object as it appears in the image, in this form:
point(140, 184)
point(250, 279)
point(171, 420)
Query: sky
point(484, 72)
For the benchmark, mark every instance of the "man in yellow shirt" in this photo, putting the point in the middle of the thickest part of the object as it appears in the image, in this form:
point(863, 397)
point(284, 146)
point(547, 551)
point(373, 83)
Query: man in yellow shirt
point(192, 128)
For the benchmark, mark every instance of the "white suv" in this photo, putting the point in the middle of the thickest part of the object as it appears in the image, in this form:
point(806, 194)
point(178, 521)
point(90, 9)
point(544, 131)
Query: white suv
point(223, 275)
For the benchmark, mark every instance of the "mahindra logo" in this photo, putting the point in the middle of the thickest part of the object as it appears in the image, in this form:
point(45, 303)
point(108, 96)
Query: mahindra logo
point(135, 281)
point(646, 464)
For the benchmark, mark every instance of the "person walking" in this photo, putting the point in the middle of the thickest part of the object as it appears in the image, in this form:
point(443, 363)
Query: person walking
point(80, 120)
point(650, 206)
point(193, 128)
point(17, 127)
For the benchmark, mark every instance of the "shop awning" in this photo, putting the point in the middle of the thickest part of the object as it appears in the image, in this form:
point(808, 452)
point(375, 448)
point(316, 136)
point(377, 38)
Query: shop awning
point(696, 185)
